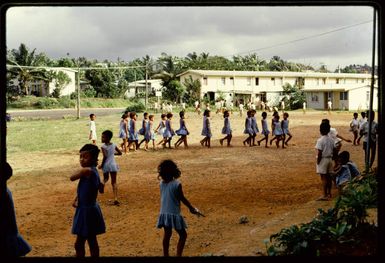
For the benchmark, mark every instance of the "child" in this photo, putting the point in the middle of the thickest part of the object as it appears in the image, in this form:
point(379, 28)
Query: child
point(123, 132)
point(278, 131)
point(372, 136)
point(254, 125)
point(168, 132)
point(285, 128)
point(12, 243)
point(109, 164)
point(226, 129)
point(206, 130)
point(345, 171)
point(161, 127)
point(133, 134)
point(88, 220)
point(241, 109)
point(360, 125)
point(325, 147)
point(92, 135)
point(171, 195)
point(265, 130)
point(354, 127)
point(248, 130)
point(273, 120)
point(142, 131)
point(182, 131)
point(150, 134)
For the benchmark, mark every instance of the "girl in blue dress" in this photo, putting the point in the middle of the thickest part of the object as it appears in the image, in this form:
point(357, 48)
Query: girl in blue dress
point(88, 221)
point(248, 129)
point(168, 132)
point(133, 133)
point(182, 131)
point(285, 127)
point(161, 127)
point(123, 132)
point(254, 125)
point(142, 130)
point(265, 130)
point(206, 130)
point(278, 131)
point(226, 129)
point(171, 194)
point(12, 244)
point(150, 134)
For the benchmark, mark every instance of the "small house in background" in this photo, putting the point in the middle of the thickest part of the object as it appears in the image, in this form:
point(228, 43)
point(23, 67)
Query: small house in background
point(346, 91)
point(138, 87)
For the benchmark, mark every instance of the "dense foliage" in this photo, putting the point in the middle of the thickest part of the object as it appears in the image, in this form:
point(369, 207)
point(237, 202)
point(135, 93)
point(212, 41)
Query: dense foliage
point(342, 230)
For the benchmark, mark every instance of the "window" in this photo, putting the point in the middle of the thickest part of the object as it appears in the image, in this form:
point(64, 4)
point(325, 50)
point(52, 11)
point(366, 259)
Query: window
point(223, 81)
point(314, 97)
point(248, 80)
point(337, 81)
point(318, 82)
point(362, 80)
point(324, 81)
point(273, 80)
point(344, 95)
point(232, 81)
point(256, 81)
point(368, 95)
point(204, 80)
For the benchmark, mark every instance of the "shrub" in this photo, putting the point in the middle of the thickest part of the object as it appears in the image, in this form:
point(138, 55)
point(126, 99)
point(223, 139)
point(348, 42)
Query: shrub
point(136, 107)
point(47, 103)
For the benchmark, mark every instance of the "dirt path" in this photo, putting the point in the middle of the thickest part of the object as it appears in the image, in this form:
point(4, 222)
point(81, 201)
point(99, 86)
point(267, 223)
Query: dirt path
point(273, 188)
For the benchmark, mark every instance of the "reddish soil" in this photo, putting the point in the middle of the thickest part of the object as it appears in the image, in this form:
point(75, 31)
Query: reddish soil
point(273, 188)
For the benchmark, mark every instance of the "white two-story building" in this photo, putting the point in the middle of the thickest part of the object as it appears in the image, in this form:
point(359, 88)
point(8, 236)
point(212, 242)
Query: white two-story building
point(347, 91)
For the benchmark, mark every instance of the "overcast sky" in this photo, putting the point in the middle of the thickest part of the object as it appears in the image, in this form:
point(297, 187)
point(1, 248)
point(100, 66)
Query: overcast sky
point(133, 32)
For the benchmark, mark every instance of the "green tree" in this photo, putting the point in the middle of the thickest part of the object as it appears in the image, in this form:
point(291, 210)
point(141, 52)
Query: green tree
point(174, 91)
point(60, 80)
point(193, 88)
point(296, 96)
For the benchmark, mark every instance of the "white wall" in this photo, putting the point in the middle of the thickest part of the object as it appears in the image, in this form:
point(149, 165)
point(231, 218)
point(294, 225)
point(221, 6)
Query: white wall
point(319, 105)
point(358, 99)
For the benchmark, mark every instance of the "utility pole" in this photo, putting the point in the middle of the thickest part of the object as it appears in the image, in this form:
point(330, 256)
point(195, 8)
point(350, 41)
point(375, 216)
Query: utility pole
point(145, 101)
point(78, 98)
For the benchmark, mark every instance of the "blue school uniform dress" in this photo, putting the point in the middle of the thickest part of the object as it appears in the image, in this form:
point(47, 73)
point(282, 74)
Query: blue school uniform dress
point(88, 220)
point(133, 135)
point(277, 128)
point(254, 125)
point(248, 129)
point(168, 133)
point(182, 128)
point(122, 130)
point(226, 126)
point(150, 134)
point(343, 175)
point(162, 128)
point(170, 215)
point(143, 129)
point(14, 243)
point(285, 126)
point(110, 164)
point(206, 130)
point(265, 127)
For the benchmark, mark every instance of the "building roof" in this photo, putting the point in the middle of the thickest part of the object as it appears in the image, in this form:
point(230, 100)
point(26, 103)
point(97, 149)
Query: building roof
point(336, 88)
point(234, 73)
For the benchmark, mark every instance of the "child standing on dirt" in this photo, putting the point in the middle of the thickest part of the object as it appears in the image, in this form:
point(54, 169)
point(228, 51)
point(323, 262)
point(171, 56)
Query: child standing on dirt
point(142, 130)
point(88, 221)
point(182, 131)
point(354, 124)
point(133, 133)
point(109, 164)
point(273, 121)
point(92, 135)
point(123, 132)
point(169, 131)
point(254, 125)
point(161, 128)
point(248, 130)
point(226, 129)
point(206, 130)
point(150, 134)
point(171, 194)
point(285, 128)
point(361, 122)
point(325, 147)
point(265, 130)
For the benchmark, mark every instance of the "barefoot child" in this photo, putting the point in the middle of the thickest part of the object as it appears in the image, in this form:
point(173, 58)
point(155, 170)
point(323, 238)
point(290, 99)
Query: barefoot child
point(285, 128)
point(226, 128)
point(142, 130)
point(248, 130)
point(161, 128)
point(206, 130)
point(254, 125)
point(168, 132)
point(354, 124)
point(182, 131)
point(265, 130)
point(109, 164)
point(171, 194)
point(92, 135)
point(361, 122)
point(88, 221)
point(325, 147)
point(273, 120)
point(150, 134)
point(123, 132)
point(278, 132)
point(133, 133)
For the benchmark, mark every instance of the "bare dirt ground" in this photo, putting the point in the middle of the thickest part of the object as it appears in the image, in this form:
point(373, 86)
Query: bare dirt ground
point(274, 188)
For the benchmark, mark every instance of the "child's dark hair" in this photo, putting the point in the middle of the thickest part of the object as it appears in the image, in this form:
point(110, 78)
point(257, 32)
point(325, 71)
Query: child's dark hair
point(169, 115)
point(355, 114)
point(168, 170)
point(132, 114)
point(163, 115)
point(151, 116)
point(363, 114)
point(264, 114)
point(124, 115)
point(8, 171)
point(93, 150)
point(145, 114)
point(286, 114)
point(325, 121)
point(324, 128)
point(344, 157)
point(92, 115)
point(226, 113)
point(206, 113)
point(181, 114)
point(275, 113)
point(108, 134)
